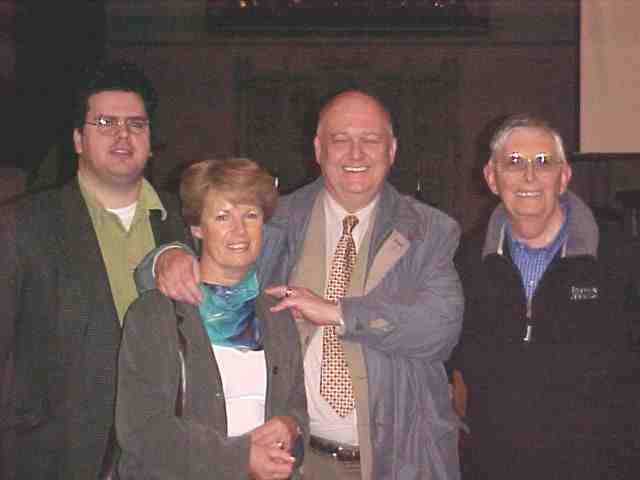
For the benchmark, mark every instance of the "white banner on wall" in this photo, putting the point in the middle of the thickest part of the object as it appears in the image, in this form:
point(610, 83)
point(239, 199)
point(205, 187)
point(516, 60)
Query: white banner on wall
point(610, 76)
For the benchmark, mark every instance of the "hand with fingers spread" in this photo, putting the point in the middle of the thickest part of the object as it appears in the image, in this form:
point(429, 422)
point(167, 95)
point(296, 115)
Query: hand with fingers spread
point(304, 303)
point(178, 275)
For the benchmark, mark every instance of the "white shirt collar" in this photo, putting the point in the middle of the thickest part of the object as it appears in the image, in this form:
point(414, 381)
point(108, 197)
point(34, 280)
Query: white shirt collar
point(335, 213)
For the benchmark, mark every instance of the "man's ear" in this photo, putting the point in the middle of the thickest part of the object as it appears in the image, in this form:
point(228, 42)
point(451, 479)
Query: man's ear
point(565, 177)
point(196, 231)
point(317, 148)
point(77, 141)
point(392, 149)
point(490, 177)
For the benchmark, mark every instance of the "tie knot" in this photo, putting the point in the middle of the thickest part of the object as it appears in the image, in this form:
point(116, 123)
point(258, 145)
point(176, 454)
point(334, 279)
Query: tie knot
point(349, 223)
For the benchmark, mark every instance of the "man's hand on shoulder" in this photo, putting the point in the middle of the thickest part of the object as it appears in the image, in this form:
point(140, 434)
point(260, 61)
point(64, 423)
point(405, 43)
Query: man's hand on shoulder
point(177, 276)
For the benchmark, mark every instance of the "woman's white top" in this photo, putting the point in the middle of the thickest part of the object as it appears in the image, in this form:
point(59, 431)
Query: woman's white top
point(244, 381)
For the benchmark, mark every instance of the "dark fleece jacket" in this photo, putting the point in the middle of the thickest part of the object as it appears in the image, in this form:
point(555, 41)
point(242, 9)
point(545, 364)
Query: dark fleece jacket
point(562, 405)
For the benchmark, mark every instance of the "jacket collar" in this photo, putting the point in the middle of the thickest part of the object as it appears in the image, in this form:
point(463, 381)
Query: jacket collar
point(582, 230)
point(392, 212)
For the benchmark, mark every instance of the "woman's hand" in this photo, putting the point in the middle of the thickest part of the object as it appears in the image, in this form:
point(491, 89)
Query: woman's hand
point(280, 432)
point(269, 462)
point(269, 457)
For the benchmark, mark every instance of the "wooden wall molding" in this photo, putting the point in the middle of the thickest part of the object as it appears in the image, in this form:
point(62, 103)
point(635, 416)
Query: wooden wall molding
point(277, 110)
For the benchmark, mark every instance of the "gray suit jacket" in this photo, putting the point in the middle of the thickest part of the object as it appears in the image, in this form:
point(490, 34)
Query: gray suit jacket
point(158, 445)
point(59, 335)
point(406, 321)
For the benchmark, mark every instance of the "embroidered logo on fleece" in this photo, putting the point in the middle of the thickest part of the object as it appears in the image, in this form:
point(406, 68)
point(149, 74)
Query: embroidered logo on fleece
point(584, 293)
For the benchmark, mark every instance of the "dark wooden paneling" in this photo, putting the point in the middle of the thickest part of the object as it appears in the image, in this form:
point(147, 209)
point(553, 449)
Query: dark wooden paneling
point(277, 110)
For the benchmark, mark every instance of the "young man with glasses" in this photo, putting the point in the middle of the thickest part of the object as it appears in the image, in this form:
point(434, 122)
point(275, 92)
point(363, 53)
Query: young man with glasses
point(545, 352)
point(65, 282)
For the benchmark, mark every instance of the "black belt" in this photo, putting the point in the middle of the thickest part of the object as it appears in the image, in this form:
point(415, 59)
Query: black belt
point(339, 451)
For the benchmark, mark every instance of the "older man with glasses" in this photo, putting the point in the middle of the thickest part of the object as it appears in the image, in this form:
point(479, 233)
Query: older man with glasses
point(546, 346)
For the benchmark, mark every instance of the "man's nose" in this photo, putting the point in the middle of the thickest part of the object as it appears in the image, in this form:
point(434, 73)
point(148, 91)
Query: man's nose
point(122, 129)
point(530, 171)
point(356, 149)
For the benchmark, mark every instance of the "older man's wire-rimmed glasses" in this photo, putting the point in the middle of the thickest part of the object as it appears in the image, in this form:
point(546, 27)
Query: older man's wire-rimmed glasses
point(517, 162)
point(108, 125)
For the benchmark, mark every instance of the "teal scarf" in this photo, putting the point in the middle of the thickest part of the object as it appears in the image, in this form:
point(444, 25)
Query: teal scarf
point(228, 313)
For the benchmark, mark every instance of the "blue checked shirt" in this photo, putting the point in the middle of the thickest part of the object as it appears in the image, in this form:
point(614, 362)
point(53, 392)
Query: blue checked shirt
point(532, 262)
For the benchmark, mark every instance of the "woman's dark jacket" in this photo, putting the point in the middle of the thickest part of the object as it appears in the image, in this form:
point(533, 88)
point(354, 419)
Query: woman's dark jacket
point(563, 405)
point(156, 443)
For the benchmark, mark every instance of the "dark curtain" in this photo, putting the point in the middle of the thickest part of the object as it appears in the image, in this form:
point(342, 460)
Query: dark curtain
point(54, 41)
